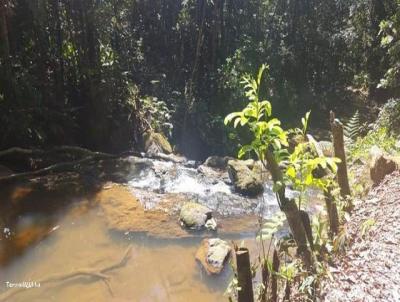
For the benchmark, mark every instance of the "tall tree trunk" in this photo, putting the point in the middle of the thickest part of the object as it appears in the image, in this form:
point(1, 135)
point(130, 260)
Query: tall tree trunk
point(190, 85)
point(6, 78)
point(59, 61)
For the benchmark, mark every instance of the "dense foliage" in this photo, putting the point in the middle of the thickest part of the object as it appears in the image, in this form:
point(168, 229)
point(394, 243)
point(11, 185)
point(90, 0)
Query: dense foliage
point(87, 72)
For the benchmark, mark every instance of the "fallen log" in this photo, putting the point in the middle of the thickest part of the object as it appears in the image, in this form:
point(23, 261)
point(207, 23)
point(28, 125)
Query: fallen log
point(64, 166)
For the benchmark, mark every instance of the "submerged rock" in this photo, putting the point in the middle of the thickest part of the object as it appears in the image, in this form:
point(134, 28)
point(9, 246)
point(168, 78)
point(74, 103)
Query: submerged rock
point(245, 180)
point(213, 254)
point(195, 216)
point(156, 143)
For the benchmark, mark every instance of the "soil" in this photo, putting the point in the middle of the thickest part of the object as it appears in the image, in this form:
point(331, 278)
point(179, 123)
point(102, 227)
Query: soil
point(369, 270)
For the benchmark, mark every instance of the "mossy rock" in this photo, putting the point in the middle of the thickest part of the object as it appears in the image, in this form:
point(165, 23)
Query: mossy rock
point(381, 164)
point(156, 143)
point(194, 215)
point(244, 179)
point(217, 162)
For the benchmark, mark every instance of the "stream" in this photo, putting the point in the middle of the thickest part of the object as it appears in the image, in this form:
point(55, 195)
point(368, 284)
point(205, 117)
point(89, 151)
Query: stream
point(50, 231)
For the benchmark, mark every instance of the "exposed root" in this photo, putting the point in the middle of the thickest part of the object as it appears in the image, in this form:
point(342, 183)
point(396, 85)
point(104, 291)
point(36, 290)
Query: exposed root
point(95, 273)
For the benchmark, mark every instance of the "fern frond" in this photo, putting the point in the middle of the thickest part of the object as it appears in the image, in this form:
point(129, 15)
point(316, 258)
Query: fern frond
point(353, 127)
point(271, 226)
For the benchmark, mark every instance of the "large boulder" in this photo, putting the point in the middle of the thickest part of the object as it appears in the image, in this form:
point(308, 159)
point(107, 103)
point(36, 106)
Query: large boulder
point(156, 143)
point(213, 254)
point(245, 180)
point(196, 216)
point(381, 165)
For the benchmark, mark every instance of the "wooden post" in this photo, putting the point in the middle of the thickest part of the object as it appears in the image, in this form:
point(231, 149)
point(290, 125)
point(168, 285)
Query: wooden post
point(332, 212)
point(274, 279)
point(287, 291)
point(338, 145)
point(265, 280)
point(245, 293)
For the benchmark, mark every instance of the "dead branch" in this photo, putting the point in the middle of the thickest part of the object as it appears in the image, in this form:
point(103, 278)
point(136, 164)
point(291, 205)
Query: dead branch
point(96, 274)
point(41, 152)
point(52, 168)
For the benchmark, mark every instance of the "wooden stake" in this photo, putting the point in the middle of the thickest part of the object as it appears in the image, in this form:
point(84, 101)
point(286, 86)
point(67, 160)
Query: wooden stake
point(265, 279)
point(274, 279)
point(338, 145)
point(333, 216)
point(245, 293)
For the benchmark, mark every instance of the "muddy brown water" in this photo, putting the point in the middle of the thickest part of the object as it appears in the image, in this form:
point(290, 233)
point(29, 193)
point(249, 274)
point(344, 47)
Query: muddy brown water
point(66, 224)
point(44, 242)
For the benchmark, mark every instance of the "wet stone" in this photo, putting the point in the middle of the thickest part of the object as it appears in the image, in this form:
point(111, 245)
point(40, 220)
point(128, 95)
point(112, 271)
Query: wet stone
point(213, 254)
point(194, 215)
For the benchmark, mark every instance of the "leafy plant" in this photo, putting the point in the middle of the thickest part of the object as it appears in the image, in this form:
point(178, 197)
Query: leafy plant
point(389, 35)
point(322, 242)
point(256, 115)
point(302, 163)
point(270, 227)
point(379, 137)
point(157, 114)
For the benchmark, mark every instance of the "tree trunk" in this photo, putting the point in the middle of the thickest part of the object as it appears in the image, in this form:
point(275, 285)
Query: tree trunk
point(190, 85)
point(305, 218)
point(293, 215)
point(245, 293)
point(338, 145)
point(59, 61)
point(287, 291)
point(5, 62)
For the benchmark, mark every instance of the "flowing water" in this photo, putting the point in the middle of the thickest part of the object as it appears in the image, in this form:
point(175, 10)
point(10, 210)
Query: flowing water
point(56, 232)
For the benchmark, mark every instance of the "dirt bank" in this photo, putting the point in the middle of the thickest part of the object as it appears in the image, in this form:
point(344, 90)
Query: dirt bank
point(369, 270)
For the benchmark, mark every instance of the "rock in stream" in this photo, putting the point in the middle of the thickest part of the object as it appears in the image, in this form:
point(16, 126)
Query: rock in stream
point(213, 254)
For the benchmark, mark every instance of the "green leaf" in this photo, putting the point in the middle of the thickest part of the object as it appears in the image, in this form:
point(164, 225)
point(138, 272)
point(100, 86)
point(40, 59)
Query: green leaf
point(386, 40)
point(291, 172)
point(236, 122)
point(231, 116)
point(244, 150)
point(260, 73)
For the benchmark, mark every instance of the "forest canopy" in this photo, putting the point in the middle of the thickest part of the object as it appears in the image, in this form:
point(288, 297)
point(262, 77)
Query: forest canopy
point(98, 73)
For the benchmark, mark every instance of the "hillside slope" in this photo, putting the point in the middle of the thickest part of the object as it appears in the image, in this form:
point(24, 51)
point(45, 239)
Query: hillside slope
point(370, 269)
